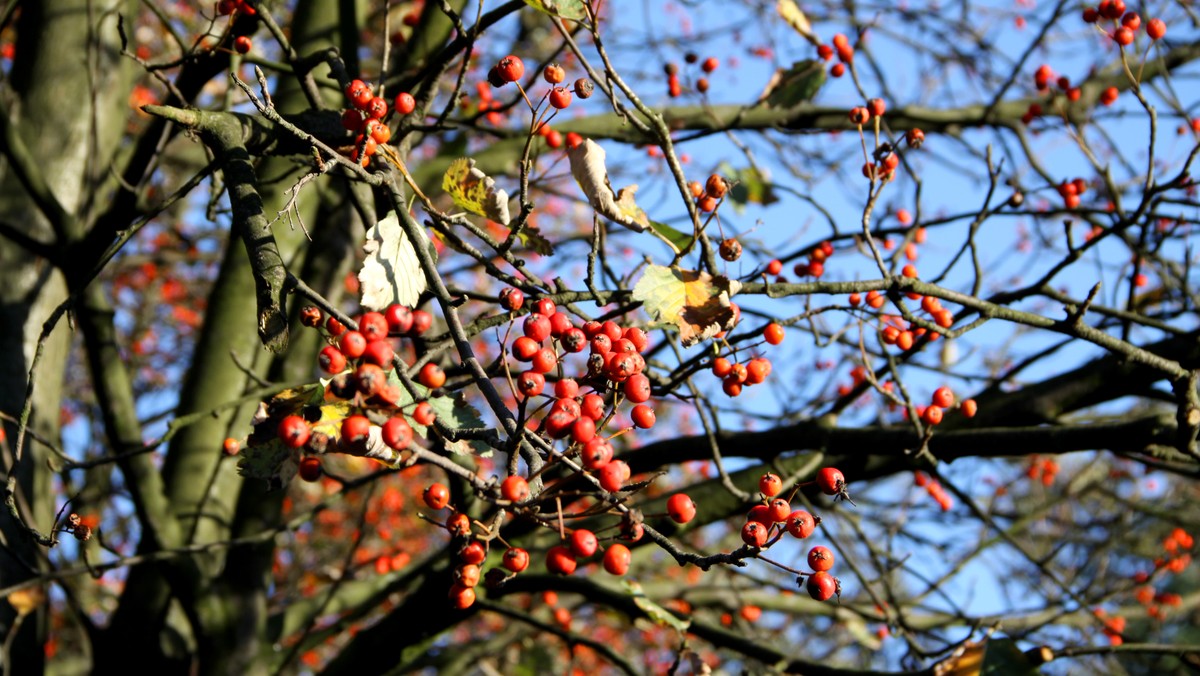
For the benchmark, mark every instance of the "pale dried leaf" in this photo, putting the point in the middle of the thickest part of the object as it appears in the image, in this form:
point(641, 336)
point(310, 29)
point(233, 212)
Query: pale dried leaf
point(391, 272)
point(590, 172)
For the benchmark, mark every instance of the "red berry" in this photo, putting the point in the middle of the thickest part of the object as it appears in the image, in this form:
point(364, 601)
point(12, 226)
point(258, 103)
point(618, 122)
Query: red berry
point(831, 481)
point(754, 534)
point(294, 431)
point(531, 383)
point(512, 299)
point(969, 408)
point(397, 433)
point(710, 64)
point(467, 575)
point(231, 446)
point(516, 559)
point(432, 376)
point(422, 320)
point(458, 524)
point(544, 361)
point(423, 414)
point(932, 414)
point(801, 524)
point(770, 484)
point(242, 44)
point(860, 115)
point(537, 327)
point(525, 348)
point(359, 93)
point(399, 318)
point(436, 496)
point(462, 597)
point(331, 360)
point(583, 543)
point(1123, 36)
point(1156, 29)
point(510, 68)
point(560, 560)
point(762, 514)
point(554, 74)
point(820, 558)
point(560, 97)
point(310, 468)
point(514, 488)
point(377, 108)
point(616, 559)
point(944, 397)
point(405, 103)
point(643, 416)
point(637, 388)
point(757, 370)
point(473, 553)
point(822, 586)
point(721, 367)
point(914, 138)
point(613, 475)
point(379, 353)
point(680, 508)
point(596, 454)
point(356, 429)
point(773, 334)
point(353, 344)
point(876, 107)
point(779, 510)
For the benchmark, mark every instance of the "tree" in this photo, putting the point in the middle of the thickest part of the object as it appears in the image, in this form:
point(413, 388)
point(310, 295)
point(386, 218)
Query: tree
point(366, 336)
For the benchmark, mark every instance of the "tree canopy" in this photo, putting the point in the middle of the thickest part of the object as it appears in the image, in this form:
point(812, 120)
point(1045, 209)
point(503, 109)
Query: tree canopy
point(578, 336)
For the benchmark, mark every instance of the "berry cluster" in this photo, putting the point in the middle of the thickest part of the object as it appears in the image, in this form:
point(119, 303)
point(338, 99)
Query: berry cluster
point(935, 490)
point(843, 49)
point(768, 520)
point(1125, 24)
point(365, 118)
point(675, 89)
point(708, 198)
point(369, 354)
point(228, 7)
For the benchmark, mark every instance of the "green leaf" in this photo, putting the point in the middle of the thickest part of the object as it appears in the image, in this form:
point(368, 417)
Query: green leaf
point(1004, 658)
point(750, 186)
point(453, 412)
point(795, 85)
point(566, 9)
point(661, 616)
point(271, 461)
point(679, 241)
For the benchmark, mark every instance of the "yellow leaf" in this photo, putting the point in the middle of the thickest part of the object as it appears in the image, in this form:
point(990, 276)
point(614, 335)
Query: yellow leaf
point(25, 601)
point(790, 12)
point(475, 191)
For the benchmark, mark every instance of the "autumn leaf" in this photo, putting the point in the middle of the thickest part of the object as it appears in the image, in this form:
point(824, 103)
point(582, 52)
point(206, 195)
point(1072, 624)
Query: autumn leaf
point(391, 272)
point(677, 240)
point(475, 192)
point(590, 172)
point(696, 302)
